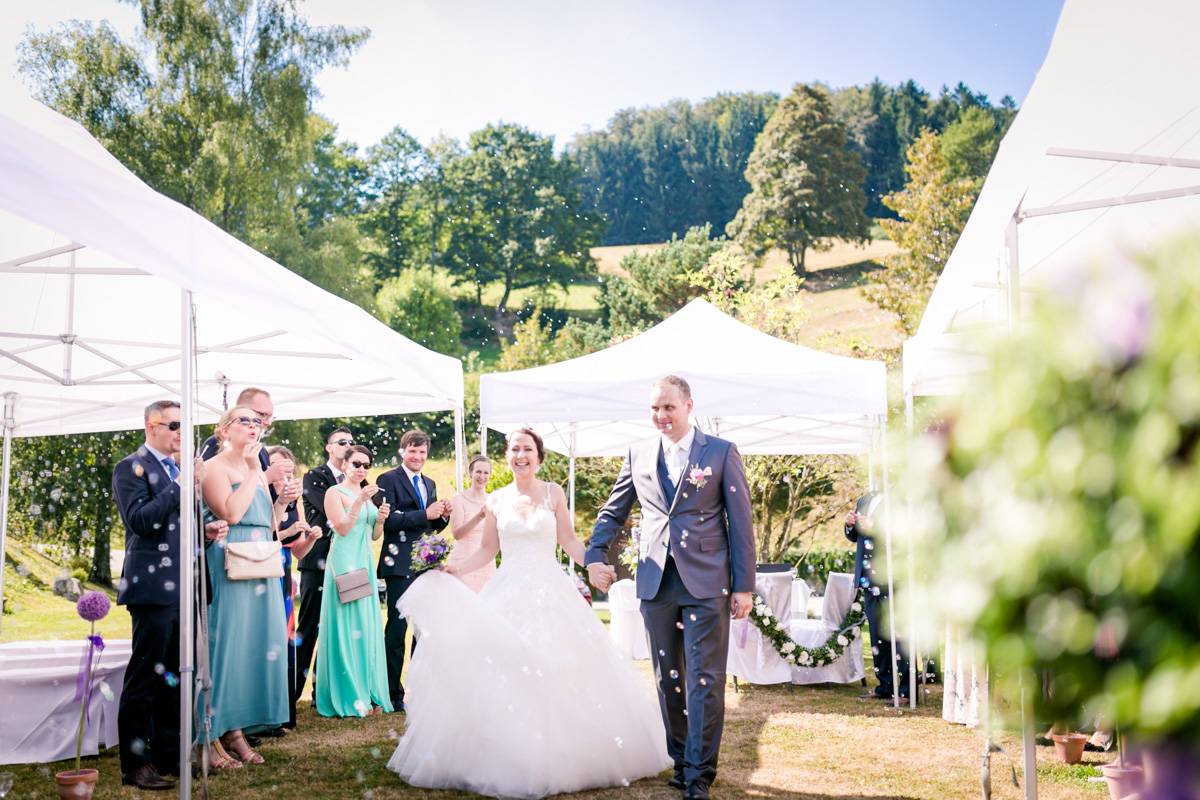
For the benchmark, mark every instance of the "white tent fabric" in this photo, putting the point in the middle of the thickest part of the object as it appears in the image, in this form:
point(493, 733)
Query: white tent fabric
point(767, 396)
point(92, 263)
point(1104, 154)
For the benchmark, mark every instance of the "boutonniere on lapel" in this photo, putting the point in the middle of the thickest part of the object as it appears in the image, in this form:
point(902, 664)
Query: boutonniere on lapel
point(696, 476)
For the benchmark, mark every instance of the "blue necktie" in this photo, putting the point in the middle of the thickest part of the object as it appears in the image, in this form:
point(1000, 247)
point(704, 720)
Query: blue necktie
point(169, 466)
point(417, 489)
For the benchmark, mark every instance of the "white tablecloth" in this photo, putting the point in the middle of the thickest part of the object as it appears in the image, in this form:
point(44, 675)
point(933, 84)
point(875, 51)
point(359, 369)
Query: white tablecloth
point(39, 716)
point(625, 623)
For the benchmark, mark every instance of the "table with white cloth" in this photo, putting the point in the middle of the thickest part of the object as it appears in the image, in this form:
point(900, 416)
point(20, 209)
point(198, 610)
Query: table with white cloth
point(39, 715)
point(751, 657)
point(625, 623)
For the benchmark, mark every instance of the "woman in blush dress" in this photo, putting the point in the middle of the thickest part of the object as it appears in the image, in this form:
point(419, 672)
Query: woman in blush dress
point(351, 665)
point(541, 701)
point(247, 629)
point(466, 523)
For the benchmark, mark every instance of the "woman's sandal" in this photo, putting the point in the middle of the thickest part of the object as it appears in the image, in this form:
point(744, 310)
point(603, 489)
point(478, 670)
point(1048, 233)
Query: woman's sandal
point(243, 754)
point(219, 759)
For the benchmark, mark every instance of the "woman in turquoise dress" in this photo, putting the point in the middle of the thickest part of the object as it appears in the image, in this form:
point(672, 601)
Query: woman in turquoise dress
point(351, 667)
point(247, 631)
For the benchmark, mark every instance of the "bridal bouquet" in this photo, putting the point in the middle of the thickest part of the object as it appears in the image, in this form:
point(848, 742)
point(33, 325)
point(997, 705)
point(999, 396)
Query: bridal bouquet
point(629, 555)
point(431, 550)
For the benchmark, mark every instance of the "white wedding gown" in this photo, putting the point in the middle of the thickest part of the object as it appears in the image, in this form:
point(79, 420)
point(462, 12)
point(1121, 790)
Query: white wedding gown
point(518, 691)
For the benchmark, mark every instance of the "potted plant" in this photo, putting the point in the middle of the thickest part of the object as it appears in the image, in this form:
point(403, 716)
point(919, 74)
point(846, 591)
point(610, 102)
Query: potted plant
point(1059, 504)
point(80, 783)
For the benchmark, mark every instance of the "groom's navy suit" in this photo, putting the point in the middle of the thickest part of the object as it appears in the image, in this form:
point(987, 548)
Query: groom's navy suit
point(697, 546)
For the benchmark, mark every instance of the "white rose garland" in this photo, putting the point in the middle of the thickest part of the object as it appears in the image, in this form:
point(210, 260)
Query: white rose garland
point(830, 651)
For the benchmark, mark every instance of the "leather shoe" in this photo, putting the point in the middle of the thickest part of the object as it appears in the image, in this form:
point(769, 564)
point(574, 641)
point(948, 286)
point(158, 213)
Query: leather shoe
point(253, 741)
point(696, 790)
point(677, 780)
point(398, 708)
point(146, 778)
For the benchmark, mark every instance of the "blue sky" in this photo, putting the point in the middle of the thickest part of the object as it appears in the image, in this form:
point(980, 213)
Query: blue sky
point(561, 67)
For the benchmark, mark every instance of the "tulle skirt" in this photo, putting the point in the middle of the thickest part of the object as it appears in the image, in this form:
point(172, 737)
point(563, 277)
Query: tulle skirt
point(518, 692)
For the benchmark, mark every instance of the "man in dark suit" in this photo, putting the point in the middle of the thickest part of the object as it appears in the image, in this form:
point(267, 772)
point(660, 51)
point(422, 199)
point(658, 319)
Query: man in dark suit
point(695, 568)
point(146, 490)
point(415, 512)
point(312, 567)
point(860, 528)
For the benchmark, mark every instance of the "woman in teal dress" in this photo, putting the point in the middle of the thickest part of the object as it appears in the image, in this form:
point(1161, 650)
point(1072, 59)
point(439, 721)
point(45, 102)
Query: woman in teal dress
point(351, 668)
point(247, 632)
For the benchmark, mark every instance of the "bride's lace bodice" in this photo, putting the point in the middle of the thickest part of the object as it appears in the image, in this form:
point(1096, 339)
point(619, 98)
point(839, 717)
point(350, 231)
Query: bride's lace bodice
point(526, 542)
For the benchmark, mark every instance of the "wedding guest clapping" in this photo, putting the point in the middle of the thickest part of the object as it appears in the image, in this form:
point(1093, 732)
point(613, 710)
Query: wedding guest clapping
point(466, 522)
point(298, 539)
point(247, 630)
point(351, 668)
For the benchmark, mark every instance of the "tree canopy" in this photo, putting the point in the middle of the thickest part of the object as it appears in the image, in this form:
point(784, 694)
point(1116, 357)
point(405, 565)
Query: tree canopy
point(804, 182)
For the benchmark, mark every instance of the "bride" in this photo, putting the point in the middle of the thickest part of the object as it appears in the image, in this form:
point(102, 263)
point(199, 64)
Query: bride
point(541, 702)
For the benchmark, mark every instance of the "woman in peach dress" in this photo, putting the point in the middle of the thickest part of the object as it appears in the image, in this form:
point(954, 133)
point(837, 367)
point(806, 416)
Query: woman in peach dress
point(466, 522)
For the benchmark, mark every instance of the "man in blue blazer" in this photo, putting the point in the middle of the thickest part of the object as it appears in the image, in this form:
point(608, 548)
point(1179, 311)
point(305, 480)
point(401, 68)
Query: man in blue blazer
point(416, 511)
point(695, 569)
point(146, 490)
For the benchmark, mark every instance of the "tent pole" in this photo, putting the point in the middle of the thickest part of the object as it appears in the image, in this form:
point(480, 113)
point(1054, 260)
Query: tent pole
point(1014, 275)
point(914, 651)
point(460, 443)
point(887, 529)
point(482, 438)
point(571, 491)
point(10, 400)
point(187, 546)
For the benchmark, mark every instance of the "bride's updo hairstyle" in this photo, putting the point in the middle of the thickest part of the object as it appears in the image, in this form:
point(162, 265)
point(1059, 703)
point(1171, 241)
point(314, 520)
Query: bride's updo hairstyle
point(537, 441)
point(227, 419)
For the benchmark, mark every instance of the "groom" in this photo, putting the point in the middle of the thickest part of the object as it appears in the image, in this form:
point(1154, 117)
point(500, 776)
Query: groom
point(695, 567)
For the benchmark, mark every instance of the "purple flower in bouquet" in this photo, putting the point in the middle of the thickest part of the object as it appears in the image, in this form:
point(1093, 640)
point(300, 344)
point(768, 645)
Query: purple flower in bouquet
point(93, 606)
point(431, 550)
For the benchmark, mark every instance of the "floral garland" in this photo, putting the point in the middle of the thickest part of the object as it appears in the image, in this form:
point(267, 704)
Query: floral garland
point(774, 631)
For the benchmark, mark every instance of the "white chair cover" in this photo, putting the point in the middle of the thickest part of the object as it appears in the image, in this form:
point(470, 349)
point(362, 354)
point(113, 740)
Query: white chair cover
point(800, 595)
point(751, 658)
point(625, 624)
point(39, 717)
point(839, 594)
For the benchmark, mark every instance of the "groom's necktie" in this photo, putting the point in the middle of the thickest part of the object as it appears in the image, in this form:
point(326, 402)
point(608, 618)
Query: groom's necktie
point(169, 466)
point(417, 489)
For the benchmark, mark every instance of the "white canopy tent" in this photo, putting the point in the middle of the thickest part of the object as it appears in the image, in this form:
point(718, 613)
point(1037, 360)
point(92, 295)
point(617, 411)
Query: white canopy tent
point(106, 286)
point(767, 396)
point(1103, 157)
point(1104, 153)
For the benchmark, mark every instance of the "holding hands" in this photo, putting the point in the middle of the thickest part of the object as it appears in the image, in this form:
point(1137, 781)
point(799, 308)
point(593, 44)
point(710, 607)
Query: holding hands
point(601, 575)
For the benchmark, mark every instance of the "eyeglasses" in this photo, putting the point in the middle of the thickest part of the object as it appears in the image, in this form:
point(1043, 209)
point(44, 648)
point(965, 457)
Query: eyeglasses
point(342, 442)
point(360, 464)
point(248, 422)
point(173, 425)
point(267, 419)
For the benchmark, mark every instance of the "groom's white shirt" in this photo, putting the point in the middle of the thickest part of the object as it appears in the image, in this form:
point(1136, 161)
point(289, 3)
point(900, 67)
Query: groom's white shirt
point(676, 453)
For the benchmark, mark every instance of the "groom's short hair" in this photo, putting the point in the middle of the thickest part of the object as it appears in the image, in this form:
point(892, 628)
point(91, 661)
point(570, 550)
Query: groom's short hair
point(678, 382)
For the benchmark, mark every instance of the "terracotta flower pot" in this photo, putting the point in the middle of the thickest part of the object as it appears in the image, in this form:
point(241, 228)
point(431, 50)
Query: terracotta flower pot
point(74, 785)
point(1069, 747)
point(1122, 781)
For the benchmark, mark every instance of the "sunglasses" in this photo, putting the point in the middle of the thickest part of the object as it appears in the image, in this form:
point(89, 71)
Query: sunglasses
point(360, 464)
point(174, 425)
point(342, 442)
point(267, 419)
point(249, 422)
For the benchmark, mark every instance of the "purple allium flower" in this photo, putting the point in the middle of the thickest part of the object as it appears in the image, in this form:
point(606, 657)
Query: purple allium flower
point(93, 606)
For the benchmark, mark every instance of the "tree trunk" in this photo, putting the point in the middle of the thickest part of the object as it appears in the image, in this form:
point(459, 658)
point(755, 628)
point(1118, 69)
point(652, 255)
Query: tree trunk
point(101, 558)
point(503, 304)
point(798, 265)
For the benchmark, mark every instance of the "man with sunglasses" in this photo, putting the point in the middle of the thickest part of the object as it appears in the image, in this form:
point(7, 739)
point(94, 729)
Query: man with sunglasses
point(312, 567)
point(146, 491)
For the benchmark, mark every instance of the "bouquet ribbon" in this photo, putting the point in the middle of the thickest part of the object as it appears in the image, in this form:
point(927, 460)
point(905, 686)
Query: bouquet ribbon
point(745, 631)
point(83, 687)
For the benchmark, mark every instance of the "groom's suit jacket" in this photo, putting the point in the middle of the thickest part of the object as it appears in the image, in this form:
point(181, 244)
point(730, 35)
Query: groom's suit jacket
point(708, 530)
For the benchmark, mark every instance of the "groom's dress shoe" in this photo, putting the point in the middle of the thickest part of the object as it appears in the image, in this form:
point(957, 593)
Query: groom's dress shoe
point(696, 790)
point(677, 780)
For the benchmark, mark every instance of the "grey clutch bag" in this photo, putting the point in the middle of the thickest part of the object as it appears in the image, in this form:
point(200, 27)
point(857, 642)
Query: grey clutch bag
point(354, 585)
